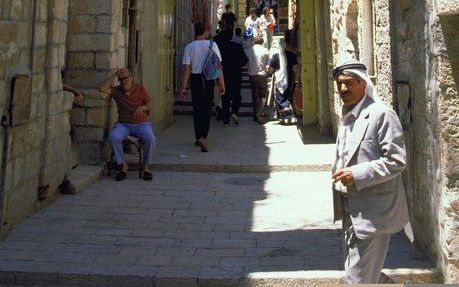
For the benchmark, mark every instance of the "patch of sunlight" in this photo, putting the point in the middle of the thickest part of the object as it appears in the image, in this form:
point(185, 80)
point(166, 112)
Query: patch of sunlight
point(294, 201)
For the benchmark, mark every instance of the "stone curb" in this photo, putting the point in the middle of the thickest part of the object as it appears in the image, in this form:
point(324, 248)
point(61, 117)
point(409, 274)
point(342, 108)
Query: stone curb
point(261, 279)
point(222, 168)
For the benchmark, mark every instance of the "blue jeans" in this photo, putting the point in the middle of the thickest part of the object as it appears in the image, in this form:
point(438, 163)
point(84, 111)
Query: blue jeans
point(143, 131)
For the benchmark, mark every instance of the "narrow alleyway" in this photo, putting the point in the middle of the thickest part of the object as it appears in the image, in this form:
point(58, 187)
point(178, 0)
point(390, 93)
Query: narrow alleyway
point(255, 210)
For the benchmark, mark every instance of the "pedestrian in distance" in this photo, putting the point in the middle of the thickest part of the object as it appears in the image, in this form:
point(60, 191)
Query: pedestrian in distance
point(233, 59)
point(252, 24)
point(194, 59)
point(229, 17)
point(237, 38)
point(258, 60)
point(134, 103)
point(267, 24)
point(368, 193)
point(284, 65)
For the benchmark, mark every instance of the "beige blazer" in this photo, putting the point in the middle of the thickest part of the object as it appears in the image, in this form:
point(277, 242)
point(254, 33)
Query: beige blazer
point(377, 156)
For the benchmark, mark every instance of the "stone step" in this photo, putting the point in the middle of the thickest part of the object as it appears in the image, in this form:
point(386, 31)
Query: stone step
point(262, 279)
point(81, 177)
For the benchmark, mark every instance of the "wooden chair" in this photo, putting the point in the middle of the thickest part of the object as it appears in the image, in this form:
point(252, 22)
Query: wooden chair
point(130, 140)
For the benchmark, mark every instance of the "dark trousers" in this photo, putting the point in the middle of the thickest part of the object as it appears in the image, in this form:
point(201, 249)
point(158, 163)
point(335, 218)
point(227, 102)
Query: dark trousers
point(232, 97)
point(259, 86)
point(202, 94)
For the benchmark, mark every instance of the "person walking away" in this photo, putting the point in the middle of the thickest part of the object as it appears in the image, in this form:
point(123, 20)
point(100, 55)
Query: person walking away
point(285, 67)
point(233, 59)
point(258, 60)
point(134, 103)
point(229, 17)
point(194, 58)
point(237, 38)
point(267, 24)
point(368, 193)
point(252, 24)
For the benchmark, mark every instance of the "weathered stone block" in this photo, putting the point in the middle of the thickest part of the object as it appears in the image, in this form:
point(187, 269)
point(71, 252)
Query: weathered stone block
point(85, 79)
point(16, 9)
point(82, 24)
point(81, 60)
point(39, 60)
point(9, 32)
point(22, 36)
point(92, 7)
point(96, 117)
point(19, 168)
point(2, 65)
point(78, 116)
point(56, 103)
point(91, 42)
point(94, 98)
point(104, 24)
point(12, 59)
point(68, 101)
point(41, 35)
point(106, 61)
point(90, 153)
point(84, 134)
point(24, 58)
point(54, 81)
point(43, 10)
point(60, 10)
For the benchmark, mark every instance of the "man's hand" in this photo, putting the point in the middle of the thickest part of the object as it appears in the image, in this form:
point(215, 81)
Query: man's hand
point(138, 112)
point(345, 176)
point(78, 99)
point(222, 90)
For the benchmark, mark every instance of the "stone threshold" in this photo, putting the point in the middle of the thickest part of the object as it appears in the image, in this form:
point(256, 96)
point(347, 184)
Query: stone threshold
point(260, 279)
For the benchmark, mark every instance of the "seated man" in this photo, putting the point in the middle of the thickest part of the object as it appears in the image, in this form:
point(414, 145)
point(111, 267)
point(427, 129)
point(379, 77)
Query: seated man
point(133, 103)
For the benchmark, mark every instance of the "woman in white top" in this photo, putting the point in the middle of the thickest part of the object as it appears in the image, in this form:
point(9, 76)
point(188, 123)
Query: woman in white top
point(267, 23)
point(202, 90)
point(252, 24)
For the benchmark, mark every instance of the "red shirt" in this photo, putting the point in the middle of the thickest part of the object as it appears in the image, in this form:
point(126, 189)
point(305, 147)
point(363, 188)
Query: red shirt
point(128, 102)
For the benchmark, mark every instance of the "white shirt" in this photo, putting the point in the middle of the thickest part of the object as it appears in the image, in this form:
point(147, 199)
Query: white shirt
point(264, 21)
point(258, 59)
point(344, 138)
point(254, 24)
point(196, 52)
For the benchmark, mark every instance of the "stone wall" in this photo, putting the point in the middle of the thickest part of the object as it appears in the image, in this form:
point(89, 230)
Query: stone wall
point(32, 44)
point(97, 45)
point(445, 29)
point(346, 21)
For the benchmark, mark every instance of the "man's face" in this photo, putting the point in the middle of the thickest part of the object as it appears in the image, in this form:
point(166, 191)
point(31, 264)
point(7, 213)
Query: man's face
point(350, 89)
point(125, 82)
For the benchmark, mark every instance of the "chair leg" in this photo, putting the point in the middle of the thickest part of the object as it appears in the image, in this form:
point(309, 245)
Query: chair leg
point(140, 150)
point(110, 164)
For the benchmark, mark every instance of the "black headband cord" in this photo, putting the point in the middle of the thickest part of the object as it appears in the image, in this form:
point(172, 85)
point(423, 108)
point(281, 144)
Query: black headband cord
point(340, 69)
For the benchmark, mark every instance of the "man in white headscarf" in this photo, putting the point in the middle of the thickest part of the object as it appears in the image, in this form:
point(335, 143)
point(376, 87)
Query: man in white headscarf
point(368, 193)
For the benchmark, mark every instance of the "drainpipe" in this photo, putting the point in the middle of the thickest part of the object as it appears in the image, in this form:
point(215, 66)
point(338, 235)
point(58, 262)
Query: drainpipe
point(132, 48)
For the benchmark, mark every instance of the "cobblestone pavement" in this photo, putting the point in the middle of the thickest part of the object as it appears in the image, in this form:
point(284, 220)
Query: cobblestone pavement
point(189, 225)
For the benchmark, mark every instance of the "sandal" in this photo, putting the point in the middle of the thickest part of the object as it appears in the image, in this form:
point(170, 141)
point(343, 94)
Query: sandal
point(120, 176)
point(147, 176)
point(203, 146)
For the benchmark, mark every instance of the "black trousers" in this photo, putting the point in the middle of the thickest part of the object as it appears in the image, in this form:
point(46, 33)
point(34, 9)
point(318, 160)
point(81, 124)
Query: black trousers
point(202, 95)
point(232, 97)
